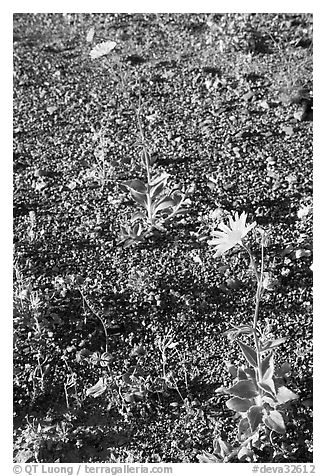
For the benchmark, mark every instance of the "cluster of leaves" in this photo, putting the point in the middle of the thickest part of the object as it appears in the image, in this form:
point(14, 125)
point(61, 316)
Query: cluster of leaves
point(133, 385)
point(158, 206)
point(120, 388)
point(259, 398)
point(41, 443)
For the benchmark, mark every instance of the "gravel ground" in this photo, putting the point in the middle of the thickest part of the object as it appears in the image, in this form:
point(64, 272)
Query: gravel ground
point(227, 112)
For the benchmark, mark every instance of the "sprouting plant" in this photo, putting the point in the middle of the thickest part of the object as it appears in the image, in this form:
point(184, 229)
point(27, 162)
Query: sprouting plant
point(31, 228)
point(292, 82)
point(28, 305)
point(70, 383)
point(40, 443)
point(35, 304)
point(165, 344)
point(102, 170)
point(38, 373)
point(97, 315)
point(258, 394)
point(157, 203)
point(121, 388)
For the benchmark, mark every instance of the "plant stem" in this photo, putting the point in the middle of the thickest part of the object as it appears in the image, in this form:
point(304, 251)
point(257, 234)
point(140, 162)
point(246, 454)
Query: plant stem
point(98, 317)
point(259, 278)
point(146, 159)
point(252, 261)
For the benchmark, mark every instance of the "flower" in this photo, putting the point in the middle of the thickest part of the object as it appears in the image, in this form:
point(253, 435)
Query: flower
point(102, 49)
point(230, 236)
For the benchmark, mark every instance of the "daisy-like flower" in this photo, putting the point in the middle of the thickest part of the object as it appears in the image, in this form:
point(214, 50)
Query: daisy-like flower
point(102, 49)
point(228, 237)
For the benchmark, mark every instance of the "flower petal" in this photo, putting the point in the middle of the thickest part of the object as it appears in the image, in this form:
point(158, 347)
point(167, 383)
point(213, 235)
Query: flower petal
point(221, 234)
point(230, 236)
point(225, 228)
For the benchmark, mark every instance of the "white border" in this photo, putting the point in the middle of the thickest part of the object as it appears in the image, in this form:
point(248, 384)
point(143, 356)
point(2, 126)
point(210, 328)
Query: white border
point(168, 6)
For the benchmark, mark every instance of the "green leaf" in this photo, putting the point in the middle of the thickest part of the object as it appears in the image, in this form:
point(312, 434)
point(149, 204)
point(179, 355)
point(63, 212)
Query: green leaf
point(139, 396)
point(243, 429)
point(232, 369)
point(206, 457)
point(251, 373)
point(272, 402)
point(106, 359)
point(157, 185)
point(163, 204)
point(267, 367)
point(129, 397)
point(126, 378)
point(245, 454)
point(180, 211)
point(157, 190)
point(234, 332)
point(285, 395)
point(274, 421)
point(222, 448)
point(95, 357)
point(83, 355)
point(137, 230)
point(221, 391)
point(97, 389)
point(268, 386)
point(271, 344)
point(249, 353)
point(243, 389)
point(135, 186)
point(139, 198)
point(138, 216)
point(255, 416)
point(239, 404)
point(242, 375)
point(284, 370)
point(159, 179)
point(177, 198)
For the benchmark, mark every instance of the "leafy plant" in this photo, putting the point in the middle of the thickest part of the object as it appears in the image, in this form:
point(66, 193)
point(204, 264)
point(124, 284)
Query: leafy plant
point(28, 305)
point(166, 344)
point(158, 205)
point(102, 170)
point(258, 395)
point(121, 389)
point(42, 443)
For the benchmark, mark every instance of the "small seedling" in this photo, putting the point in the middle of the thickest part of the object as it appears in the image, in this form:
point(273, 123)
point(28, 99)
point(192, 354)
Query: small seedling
point(101, 171)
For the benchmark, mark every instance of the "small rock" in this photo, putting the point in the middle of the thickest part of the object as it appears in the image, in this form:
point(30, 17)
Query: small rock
point(248, 96)
point(51, 109)
point(271, 160)
point(288, 130)
point(264, 104)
